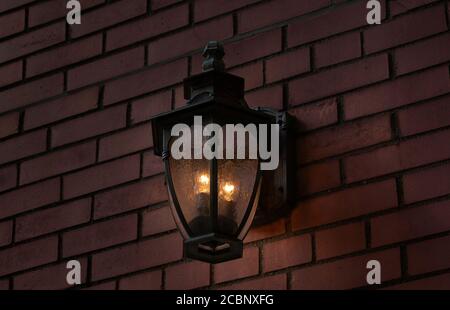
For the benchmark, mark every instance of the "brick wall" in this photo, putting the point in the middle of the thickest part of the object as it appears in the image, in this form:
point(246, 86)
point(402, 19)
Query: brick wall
point(78, 178)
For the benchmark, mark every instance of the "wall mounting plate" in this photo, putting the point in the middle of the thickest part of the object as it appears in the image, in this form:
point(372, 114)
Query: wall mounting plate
point(277, 185)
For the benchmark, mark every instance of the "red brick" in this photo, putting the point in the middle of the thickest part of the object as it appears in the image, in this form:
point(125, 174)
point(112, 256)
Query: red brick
point(316, 115)
point(137, 256)
point(155, 221)
point(41, 38)
point(106, 68)
point(275, 282)
point(342, 139)
point(399, 7)
point(57, 162)
point(152, 164)
point(147, 107)
point(29, 197)
point(424, 117)
point(204, 9)
point(336, 50)
point(100, 235)
point(44, 12)
point(12, 23)
point(153, 90)
point(189, 40)
point(410, 223)
point(105, 286)
point(4, 285)
point(53, 219)
point(287, 252)
point(88, 126)
point(187, 276)
point(145, 81)
point(271, 97)
point(244, 267)
point(23, 146)
point(8, 177)
point(448, 12)
point(10, 4)
point(178, 95)
point(251, 48)
point(252, 73)
point(158, 4)
point(10, 124)
point(196, 68)
point(422, 54)
point(341, 240)
point(101, 176)
point(287, 64)
point(346, 273)
point(6, 231)
point(441, 282)
point(318, 177)
point(341, 19)
point(11, 73)
point(266, 231)
point(31, 92)
point(397, 93)
point(276, 11)
point(344, 204)
point(144, 281)
point(108, 15)
point(357, 74)
point(407, 154)
point(146, 28)
point(427, 184)
point(48, 278)
point(130, 197)
point(405, 29)
point(125, 142)
point(429, 255)
point(31, 254)
point(61, 108)
point(64, 55)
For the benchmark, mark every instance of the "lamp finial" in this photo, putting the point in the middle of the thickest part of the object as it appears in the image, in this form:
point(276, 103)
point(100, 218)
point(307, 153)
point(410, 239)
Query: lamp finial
point(213, 54)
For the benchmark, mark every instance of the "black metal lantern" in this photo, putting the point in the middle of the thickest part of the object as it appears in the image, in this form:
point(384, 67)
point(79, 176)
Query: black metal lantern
point(214, 201)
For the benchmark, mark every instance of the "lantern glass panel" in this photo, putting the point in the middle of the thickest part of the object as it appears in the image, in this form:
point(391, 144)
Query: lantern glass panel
point(236, 181)
point(192, 186)
point(191, 181)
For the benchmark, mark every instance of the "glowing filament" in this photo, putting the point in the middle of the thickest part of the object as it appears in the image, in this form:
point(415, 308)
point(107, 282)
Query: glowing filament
point(203, 183)
point(228, 191)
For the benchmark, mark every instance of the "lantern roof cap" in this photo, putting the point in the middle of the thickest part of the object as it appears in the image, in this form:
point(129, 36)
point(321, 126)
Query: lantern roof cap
point(214, 80)
point(214, 94)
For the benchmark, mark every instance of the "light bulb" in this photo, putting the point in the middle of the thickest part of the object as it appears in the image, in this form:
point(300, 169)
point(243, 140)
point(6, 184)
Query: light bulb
point(203, 183)
point(228, 191)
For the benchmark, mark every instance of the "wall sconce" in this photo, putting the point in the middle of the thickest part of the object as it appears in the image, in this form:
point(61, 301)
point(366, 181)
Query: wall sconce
point(214, 201)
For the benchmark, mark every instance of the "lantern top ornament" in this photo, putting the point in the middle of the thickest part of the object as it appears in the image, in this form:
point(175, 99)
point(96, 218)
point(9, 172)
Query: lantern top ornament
point(213, 53)
point(214, 80)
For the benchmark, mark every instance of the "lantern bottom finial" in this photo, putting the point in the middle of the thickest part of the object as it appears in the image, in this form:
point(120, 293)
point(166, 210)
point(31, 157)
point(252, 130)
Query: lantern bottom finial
point(213, 248)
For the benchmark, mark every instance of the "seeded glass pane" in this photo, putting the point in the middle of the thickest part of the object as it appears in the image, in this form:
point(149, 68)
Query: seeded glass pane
point(191, 184)
point(236, 180)
point(191, 180)
point(235, 183)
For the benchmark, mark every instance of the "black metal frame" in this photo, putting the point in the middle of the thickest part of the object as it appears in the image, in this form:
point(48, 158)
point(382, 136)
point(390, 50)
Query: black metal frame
point(216, 112)
point(219, 97)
